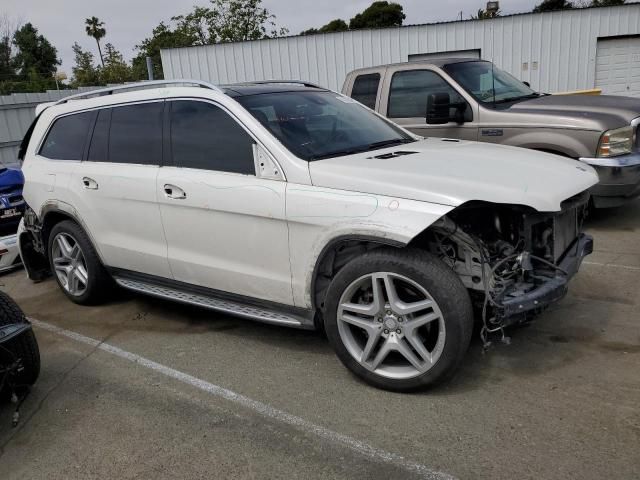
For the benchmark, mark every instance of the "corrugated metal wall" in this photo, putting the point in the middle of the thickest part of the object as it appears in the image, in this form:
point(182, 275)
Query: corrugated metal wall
point(17, 113)
point(554, 51)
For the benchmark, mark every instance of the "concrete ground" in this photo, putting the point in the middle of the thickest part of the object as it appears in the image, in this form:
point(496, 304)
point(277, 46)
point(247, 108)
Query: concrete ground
point(561, 402)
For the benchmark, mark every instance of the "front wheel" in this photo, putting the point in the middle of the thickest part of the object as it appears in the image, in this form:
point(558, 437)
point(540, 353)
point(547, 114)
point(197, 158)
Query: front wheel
point(399, 319)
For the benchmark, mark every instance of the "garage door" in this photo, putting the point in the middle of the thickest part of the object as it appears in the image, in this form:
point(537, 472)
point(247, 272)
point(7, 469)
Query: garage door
point(618, 66)
point(450, 54)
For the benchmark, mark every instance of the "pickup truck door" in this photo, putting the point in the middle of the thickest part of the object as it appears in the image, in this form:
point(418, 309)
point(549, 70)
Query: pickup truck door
point(226, 227)
point(404, 101)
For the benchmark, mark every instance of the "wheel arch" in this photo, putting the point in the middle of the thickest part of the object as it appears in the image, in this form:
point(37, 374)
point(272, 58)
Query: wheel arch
point(336, 254)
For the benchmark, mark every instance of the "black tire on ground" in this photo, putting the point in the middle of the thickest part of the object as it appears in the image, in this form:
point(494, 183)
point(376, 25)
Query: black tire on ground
point(100, 284)
point(444, 287)
point(23, 346)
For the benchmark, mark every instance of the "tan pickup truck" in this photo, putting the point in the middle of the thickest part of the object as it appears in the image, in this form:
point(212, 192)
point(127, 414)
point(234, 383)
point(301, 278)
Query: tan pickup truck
point(472, 99)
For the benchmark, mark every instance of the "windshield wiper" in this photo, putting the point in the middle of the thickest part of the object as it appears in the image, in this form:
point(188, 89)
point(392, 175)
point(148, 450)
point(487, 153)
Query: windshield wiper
point(364, 148)
point(521, 97)
point(387, 143)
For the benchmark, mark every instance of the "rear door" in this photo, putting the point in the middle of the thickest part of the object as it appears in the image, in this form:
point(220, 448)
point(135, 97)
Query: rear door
point(114, 189)
point(226, 227)
point(405, 102)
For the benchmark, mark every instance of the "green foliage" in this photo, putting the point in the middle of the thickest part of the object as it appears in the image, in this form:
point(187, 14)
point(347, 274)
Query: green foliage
point(7, 71)
point(35, 55)
point(223, 21)
point(551, 5)
point(378, 15)
point(161, 37)
point(606, 3)
point(95, 28)
point(337, 25)
point(115, 69)
point(84, 71)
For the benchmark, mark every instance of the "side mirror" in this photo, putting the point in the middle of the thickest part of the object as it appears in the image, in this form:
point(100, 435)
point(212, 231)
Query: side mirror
point(439, 109)
point(438, 105)
point(527, 84)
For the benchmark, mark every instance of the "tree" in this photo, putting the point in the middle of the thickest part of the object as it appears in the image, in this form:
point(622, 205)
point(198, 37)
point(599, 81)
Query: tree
point(484, 14)
point(95, 28)
point(378, 15)
point(7, 71)
point(161, 37)
point(551, 5)
point(606, 3)
point(115, 69)
point(84, 71)
point(337, 25)
point(35, 55)
point(241, 20)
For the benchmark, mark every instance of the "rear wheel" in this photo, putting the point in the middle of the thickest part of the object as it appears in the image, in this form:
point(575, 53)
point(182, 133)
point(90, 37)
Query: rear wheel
point(400, 320)
point(76, 265)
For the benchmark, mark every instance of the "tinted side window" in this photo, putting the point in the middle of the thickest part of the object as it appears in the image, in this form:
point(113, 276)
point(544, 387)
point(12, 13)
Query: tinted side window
point(99, 147)
point(205, 136)
point(135, 135)
point(365, 89)
point(410, 90)
point(67, 137)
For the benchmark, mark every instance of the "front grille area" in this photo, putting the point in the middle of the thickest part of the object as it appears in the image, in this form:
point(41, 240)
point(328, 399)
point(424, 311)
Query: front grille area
point(565, 231)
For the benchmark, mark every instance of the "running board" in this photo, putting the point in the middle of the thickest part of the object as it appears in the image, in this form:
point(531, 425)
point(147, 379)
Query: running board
point(212, 302)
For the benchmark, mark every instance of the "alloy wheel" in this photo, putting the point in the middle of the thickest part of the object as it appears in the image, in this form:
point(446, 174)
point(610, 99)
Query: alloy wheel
point(69, 264)
point(391, 325)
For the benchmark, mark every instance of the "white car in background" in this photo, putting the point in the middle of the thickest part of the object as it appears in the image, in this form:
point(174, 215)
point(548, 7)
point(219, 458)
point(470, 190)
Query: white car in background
point(291, 204)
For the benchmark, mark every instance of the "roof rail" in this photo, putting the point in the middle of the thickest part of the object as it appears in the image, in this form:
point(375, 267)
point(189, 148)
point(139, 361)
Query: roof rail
point(294, 82)
point(138, 86)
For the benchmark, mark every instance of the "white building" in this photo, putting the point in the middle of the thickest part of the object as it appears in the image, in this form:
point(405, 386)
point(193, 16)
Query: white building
point(554, 51)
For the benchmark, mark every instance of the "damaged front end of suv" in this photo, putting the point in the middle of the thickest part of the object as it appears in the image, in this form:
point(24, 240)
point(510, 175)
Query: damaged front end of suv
point(514, 260)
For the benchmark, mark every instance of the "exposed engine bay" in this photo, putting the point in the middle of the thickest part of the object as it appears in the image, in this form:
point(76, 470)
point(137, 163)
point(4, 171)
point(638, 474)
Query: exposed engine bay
point(514, 260)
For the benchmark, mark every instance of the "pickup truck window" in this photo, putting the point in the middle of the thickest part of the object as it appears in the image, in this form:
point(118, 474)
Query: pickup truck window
point(487, 83)
point(320, 124)
point(365, 89)
point(410, 90)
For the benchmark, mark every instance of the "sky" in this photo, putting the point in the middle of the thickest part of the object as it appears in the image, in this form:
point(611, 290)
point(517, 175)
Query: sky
point(129, 21)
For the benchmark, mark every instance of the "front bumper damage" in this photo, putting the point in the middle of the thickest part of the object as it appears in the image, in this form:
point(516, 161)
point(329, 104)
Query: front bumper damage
point(513, 307)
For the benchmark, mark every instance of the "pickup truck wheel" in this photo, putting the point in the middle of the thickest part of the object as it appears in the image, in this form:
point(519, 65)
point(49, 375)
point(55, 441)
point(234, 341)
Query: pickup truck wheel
point(399, 319)
point(76, 265)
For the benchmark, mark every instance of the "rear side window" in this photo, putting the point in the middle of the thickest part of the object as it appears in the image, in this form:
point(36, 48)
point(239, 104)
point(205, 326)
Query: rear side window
point(205, 136)
point(135, 135)
point(66, 138)
point(365, 89)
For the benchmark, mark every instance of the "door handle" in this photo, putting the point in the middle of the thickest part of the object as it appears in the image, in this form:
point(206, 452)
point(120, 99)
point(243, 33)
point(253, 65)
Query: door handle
point(89, 183)
point(176, 193)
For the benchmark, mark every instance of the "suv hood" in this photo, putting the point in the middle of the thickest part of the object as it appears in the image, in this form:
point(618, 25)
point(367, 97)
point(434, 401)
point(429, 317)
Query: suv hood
point(600, 112)
point(452, 172)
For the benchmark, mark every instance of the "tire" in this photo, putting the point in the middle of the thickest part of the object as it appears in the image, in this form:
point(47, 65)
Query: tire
point(442, 321)
point(23, 346)
point(97, 284)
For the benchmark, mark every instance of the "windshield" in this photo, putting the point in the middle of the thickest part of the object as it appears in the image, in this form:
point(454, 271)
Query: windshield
point(487, 83)
point(315, 125)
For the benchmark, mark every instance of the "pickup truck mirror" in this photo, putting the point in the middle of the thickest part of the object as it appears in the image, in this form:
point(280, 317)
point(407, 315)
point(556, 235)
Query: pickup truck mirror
point(439, 109)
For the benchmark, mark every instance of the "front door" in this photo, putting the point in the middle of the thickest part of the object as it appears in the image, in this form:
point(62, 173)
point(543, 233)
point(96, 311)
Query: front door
point(407, 104)
point(226, 227)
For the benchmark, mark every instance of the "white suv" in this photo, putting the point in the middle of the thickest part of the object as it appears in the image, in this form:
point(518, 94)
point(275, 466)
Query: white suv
point(290, 204)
